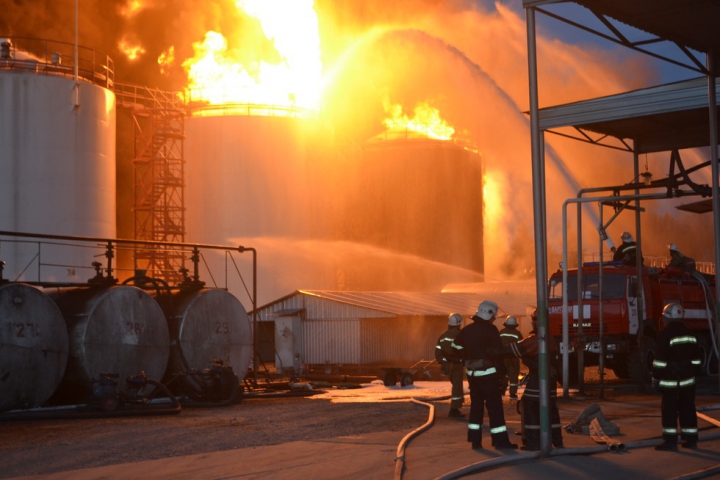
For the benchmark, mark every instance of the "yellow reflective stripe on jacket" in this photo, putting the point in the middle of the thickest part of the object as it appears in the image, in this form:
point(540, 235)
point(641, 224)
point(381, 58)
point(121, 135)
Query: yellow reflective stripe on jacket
point(683, 340)
point(677, 383)
point(509, 335)
point(456, 346)
point(481, 373)
point(659, 363)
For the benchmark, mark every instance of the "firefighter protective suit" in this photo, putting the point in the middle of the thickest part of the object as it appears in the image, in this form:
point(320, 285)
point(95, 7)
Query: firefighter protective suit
point(510, 334)
point(452, 366)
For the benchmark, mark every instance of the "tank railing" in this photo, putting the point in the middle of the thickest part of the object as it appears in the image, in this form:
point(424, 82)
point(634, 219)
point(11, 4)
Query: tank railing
point(56, 58)
point(203, 108)
point(110, 246)
point(409, 135)
point(130, 95)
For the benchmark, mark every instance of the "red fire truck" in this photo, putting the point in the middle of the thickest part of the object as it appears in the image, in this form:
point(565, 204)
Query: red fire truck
point(621, 308)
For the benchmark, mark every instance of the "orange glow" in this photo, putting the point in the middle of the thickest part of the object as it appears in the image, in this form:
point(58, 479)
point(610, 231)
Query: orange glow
point(217, 76)
point(133, 52)
point(131, 8)
point(426, 121)
point(166, 59)
point(492, 201)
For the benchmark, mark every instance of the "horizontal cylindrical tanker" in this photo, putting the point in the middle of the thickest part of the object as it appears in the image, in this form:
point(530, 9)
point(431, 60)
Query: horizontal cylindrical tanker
point(209, 325)
point(118, 330)
point(33, 346)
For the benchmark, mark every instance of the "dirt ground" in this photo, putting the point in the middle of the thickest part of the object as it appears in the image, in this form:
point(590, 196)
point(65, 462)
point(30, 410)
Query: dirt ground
point(45, 446)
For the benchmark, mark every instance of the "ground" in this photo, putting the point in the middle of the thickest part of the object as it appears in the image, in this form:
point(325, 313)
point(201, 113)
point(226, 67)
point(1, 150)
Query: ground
point(45, 446)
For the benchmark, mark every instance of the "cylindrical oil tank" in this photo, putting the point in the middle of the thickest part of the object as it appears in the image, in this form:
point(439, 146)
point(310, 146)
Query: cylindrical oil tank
point(33, 346)
point(207, 325)
point(246, 177)
point(419, 196)
point(120, 330)
point(57, 166)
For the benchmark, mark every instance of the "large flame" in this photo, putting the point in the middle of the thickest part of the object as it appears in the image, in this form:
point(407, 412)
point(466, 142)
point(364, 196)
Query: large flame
point(426, 121)
point(131, 49)
point(217, 76)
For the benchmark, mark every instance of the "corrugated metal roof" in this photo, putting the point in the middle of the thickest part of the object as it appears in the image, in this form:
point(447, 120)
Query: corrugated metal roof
point(404, 303)
point(656, 119)
point(513, 298)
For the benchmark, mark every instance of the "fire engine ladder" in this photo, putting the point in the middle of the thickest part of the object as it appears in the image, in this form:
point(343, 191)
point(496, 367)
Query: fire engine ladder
point(158, 177)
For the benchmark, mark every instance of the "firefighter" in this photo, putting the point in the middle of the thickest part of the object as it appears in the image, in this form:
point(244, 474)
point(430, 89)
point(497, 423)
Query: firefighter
point(476, 344)
point(627, 251)
point(450, 363)
point(677, 358)
point(529, 405)
point(678, 260)
point(508, 335)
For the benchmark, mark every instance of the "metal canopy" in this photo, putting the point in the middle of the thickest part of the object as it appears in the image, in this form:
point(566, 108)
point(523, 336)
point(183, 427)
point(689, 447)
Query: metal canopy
point(656, 119)
point(688, 23)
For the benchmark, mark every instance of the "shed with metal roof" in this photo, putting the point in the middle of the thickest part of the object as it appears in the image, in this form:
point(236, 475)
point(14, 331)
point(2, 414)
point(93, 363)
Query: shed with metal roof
point(366, 330)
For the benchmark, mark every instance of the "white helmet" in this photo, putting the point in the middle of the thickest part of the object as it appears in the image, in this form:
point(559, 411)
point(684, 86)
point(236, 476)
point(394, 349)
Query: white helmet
point(510, 321)
point(626, 237)
point(487, 310)
point(455, 319)
point(673, 311)
point(674, 247)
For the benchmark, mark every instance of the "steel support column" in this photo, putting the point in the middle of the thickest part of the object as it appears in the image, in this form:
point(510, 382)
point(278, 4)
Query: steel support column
point(538, 173)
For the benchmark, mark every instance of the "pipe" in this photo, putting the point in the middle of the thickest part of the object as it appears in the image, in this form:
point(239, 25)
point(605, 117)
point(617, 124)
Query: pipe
point(400, 454)
point(78, 412)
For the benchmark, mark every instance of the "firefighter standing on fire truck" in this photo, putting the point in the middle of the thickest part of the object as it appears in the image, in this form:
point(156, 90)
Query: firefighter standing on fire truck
point(476, 344)
point(677, 359)
point(529, 405)
point(627, 251)
point(508, 335)
point(451, 364)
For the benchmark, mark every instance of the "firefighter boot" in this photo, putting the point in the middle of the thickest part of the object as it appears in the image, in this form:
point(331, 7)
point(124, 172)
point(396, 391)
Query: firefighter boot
point(667, 446)
point(690, 444)
point(455, 412)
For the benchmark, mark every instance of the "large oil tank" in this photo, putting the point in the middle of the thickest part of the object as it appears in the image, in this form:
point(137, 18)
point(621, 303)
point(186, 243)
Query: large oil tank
point(246, 177)
point(33, 346)
point(57, 157)
point(419, 196)
point(206, 325)
point(119, 329)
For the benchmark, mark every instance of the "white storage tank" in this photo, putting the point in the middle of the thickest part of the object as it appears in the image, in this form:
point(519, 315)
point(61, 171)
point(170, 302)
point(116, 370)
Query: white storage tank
point(57, 161)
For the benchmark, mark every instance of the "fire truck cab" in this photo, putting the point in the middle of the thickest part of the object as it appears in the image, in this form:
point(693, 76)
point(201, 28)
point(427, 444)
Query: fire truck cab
point(625, 313)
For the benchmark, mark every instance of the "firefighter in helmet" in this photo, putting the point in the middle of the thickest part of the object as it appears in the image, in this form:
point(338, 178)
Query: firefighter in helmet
point(677, 359)
point(450, 362)
point(477, 343)
point(627, 251)
point(678, 260)
point(529, 405)
point(511, 334)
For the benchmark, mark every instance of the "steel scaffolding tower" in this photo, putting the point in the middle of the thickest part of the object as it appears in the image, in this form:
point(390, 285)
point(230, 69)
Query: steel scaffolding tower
point(158, 174)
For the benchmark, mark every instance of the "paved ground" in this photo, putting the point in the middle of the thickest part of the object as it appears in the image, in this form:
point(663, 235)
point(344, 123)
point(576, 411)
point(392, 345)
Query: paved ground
point(441, 451)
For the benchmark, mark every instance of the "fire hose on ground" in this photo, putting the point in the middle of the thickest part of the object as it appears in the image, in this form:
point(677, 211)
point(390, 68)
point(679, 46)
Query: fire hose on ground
point(524, 457)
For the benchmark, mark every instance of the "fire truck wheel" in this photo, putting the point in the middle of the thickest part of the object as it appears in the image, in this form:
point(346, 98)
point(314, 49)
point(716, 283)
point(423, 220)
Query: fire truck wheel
point(640, 365)
point(621, 366)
